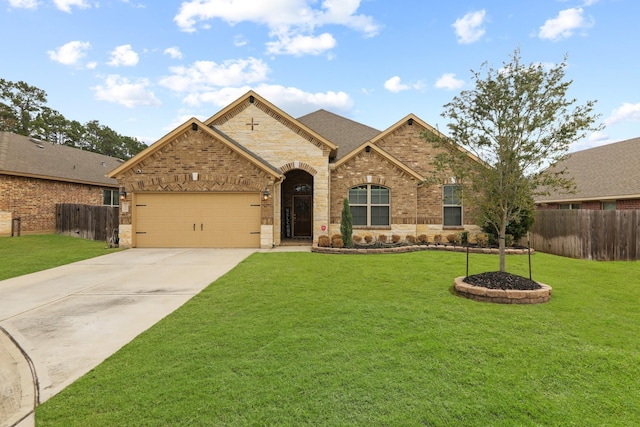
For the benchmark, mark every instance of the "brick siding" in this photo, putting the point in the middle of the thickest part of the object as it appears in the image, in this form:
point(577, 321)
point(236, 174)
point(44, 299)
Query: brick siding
point(593, 205)
point(219, 169)
point(34, 200)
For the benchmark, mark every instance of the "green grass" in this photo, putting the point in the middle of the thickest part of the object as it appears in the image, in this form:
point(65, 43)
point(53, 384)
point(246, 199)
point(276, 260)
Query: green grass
point(28, 254)
point(376, 340)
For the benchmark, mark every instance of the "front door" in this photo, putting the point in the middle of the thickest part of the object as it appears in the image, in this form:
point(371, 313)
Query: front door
point(302, 216)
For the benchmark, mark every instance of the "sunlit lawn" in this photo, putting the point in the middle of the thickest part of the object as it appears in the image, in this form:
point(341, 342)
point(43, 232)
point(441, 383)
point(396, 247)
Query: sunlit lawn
point(376, 340)
point(28, 254)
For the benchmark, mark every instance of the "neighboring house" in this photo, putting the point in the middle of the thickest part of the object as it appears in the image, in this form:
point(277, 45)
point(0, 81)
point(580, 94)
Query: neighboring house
point(253, 176)
point(36, 175)
point(606, 178)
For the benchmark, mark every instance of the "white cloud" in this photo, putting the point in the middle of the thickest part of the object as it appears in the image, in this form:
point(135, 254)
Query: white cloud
point(173, 52)
point(294, 101)
point(302, 45)
point(204, 75)
point(239, 41)
point(65, 5)
point(470, 28)
point(564, 25)
point(120, 90)
point(123, 55)
point(70, 53)
point(24, 4)
point(627, 112)
point(395, 85)
point(290, 22)
point(449, 81)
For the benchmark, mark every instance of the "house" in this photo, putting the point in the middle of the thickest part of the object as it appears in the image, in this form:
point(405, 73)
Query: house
point(253, 176)
point(36, 175)
point(606, 178)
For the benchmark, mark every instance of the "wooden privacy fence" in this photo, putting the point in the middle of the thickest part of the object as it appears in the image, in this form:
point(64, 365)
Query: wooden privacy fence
point(88, 222)
point(588, 234)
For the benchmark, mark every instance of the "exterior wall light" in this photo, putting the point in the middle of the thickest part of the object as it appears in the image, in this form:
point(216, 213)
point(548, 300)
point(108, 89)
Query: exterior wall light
point(123, 193)
point(265, 193)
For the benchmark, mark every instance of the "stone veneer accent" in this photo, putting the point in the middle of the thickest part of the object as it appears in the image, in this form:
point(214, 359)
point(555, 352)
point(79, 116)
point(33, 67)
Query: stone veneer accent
point(502, 296)
point(285, 147)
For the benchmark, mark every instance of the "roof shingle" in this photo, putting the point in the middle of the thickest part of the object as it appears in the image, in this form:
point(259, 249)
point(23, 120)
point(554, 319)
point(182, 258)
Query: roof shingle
point(24, 156)
point(345, 133)
point(607, 172)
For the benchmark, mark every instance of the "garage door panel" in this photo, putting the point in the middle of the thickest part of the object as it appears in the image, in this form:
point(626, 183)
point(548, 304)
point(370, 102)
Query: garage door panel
point(198, 220)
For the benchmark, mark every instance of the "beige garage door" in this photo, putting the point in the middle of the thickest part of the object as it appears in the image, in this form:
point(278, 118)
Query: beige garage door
point(197, 220)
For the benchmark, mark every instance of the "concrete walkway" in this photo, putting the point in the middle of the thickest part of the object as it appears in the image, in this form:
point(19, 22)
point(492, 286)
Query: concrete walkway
point(57, 325)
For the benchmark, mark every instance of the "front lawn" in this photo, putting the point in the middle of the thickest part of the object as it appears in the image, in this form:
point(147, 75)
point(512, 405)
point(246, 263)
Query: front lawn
point(376, 340)
point(28, 254)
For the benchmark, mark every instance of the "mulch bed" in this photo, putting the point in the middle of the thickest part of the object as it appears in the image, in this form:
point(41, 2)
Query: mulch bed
point(501, 280)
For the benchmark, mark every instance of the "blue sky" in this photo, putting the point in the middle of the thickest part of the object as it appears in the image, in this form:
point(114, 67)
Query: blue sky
point(143, 67)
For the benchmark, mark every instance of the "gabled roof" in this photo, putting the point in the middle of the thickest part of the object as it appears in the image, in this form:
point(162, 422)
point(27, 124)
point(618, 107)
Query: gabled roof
point(275, 112)
point(383, 153)
point(417, 120)
point(29, 157)
point(347, 134)
point(607, 172)
point(200, 126)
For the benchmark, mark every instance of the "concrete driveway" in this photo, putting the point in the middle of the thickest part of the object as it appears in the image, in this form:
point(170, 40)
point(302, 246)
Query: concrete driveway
point(56, 325)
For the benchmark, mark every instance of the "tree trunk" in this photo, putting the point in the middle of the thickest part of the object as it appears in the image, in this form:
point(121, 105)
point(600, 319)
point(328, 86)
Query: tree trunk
point(501, 244)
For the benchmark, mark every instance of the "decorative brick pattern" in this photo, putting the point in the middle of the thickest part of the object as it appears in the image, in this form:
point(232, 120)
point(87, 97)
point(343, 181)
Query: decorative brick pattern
point(34, 200)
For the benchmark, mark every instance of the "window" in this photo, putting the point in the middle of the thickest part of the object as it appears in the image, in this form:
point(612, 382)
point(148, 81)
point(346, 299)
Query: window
point(608, 206)
point(370, 205)
point(570, 206)
point(452, 205)
point(110, 197)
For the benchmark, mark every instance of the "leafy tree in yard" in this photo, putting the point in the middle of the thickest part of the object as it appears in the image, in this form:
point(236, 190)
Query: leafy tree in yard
point(346, 224)
point(516, 121)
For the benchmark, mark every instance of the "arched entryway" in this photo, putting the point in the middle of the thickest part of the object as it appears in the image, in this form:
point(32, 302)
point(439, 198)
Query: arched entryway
point(297, 205)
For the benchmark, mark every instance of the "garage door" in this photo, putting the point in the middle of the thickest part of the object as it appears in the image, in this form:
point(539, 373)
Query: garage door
point(192, 220)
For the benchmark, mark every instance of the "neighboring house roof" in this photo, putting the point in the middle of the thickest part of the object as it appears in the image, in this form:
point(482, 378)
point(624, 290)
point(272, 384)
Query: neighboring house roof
point(345, 133)
point(608, 172)
point(195, 125)
point(29, 157)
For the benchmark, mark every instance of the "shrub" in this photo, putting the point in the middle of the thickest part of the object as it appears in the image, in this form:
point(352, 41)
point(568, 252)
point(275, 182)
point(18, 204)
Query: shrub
point(368, 238)
point(336, 236)
point(423, 238)
point(346, 226)
point(411, 239)
point(481, 240)
point(508, 240)
point(324, 242)
point(382, 238)
point(337, 242)
point(452, 238)
point(356, 239)
point(437, 239)
point(464, 237)
point(395, 238)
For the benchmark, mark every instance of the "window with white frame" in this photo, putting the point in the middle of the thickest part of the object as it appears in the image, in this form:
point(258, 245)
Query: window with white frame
point(370, 205)
point(110, 197)
point(452, 205)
